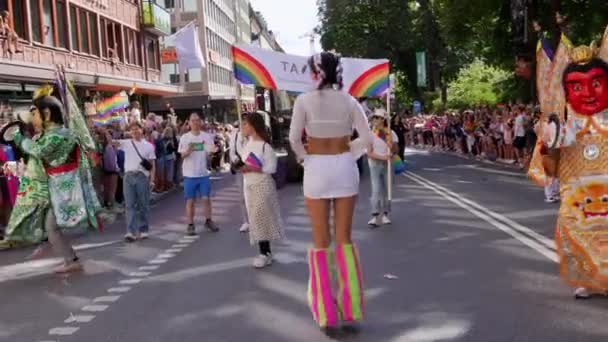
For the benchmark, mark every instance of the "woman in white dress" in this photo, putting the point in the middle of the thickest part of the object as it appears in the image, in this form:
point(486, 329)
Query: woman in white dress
point(258, 163)
point(328, 115)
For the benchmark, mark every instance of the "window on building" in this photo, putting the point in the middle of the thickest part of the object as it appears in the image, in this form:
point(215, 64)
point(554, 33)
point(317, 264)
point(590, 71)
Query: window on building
point(153, 52)
point(94, 29)
point(62, 24)
point(169, 73)
point(103, 36)
point(190, 5)
point(74, 28)
point(169, 4)
point(36, 24)
point(48, 27)
point(84, 31)
point(18, 19)
point(195, 75)
point(132, 47)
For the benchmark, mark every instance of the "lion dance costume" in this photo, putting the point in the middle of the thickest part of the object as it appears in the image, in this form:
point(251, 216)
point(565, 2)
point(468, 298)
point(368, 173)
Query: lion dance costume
point(573, 89)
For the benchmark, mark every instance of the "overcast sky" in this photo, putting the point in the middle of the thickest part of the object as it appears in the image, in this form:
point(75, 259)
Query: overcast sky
point(289, 20)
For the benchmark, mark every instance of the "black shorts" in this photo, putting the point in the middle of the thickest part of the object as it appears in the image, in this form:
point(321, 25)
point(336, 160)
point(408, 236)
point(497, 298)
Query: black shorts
point(519, 142)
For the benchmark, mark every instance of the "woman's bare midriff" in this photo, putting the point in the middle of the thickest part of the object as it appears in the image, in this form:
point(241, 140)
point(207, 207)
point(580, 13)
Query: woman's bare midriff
point(327, 146)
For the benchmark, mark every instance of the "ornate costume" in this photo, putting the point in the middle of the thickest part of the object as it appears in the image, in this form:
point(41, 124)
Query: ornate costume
point(56, 191)
point(574, 88)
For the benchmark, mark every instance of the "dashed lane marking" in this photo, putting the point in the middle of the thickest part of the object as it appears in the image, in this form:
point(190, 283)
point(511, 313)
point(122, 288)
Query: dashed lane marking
point(79, 319)
point(174, 250)
point(180, 245)
point(149, 267)
point(165, 256)
point(129, 281)
point(139, 274)
point(95, 308)
point(157, 261)
point(106, 299)
point(63, 331)
point(122, 289)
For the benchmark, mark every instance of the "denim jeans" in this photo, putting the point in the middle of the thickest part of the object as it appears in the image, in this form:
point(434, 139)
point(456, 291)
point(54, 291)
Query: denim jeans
point(136, 187)
point(378, 176)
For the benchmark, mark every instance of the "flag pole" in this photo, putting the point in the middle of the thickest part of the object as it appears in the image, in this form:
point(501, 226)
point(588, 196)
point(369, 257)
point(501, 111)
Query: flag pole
point(239, 103)
point(389, 177)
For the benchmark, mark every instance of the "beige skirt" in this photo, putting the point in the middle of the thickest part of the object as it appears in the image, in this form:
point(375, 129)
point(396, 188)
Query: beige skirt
point(262, 202)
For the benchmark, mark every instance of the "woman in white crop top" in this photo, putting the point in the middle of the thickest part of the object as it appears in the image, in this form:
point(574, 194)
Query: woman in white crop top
point(328, 116)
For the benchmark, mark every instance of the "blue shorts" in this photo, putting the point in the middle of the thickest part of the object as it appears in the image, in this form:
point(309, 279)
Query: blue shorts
point(197, 187)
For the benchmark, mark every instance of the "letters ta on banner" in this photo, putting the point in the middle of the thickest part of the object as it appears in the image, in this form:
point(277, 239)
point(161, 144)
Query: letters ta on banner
point(188, 48)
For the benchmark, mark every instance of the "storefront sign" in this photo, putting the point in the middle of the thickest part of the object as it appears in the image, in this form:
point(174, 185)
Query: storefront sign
point(168, 56)
point(156, 19)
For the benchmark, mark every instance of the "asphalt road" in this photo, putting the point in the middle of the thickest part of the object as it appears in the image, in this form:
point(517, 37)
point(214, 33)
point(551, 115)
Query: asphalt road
point(471, 245)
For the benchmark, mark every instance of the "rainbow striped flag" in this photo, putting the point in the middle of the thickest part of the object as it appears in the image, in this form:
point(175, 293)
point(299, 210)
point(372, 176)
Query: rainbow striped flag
point(113, 104)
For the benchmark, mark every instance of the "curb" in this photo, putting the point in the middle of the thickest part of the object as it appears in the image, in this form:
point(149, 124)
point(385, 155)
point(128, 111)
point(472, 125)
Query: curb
point(484, 161)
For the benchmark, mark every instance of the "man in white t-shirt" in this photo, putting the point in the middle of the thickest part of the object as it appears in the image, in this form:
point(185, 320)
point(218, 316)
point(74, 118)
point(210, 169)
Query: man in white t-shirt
point(194, 148)
point(237, 142)
point(139, 170)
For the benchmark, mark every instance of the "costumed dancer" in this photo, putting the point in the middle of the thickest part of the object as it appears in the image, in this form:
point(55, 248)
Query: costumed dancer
point(57, 191)
point(328, 115)
point(574, 91)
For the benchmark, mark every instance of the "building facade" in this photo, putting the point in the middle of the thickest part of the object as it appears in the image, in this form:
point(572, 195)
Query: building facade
point(104, 45)
point(213, 89)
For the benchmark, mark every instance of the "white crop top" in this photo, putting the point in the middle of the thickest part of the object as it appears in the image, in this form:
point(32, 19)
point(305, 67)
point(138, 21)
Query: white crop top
point(327, 113)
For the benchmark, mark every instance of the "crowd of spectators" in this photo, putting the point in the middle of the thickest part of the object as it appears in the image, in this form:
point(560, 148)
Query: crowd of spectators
point(164, 134)
point(505, 133)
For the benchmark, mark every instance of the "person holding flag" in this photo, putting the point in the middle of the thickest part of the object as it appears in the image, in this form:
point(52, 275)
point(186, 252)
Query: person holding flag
point(261, 198)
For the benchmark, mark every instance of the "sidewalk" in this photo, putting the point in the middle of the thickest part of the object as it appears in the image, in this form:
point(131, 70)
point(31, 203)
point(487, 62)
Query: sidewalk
point(499, 162)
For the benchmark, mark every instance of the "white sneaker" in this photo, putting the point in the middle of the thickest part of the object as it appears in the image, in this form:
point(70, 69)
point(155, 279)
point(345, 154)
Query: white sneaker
point(244, 228)
point(386, 220)
point(551, 200)
point(375, 221)
point(581, 293)
point(262, 261)
point(144, 236)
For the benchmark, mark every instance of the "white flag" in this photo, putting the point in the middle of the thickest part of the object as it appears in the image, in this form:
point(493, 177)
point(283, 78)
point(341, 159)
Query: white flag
point(188, 48)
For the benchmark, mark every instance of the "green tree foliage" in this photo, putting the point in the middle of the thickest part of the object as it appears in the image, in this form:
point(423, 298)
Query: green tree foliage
point(479, 83)
point(453, 32)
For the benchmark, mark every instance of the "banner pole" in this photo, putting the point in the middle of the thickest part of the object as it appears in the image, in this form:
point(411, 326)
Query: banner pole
point(389, 177)
point(239, 104)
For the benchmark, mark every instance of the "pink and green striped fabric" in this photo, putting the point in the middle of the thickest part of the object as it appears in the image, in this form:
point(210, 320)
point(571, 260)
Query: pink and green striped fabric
point(320, 296)
point(350, 283)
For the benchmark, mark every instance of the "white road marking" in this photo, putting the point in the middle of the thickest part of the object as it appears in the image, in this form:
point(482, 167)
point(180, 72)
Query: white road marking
point(129, 281)
point(180, 245)
point(174, 250)
point(95, 308)
point(183, 241)
point(106, 299)
point(157, 261)
point(86, 246)
point(139, 274)
point(149, 268)
point(79, 319)
point(122, 289)
point(165, 256)
point(491, 217)
point(195, 237)
point(63, 331)
point(523, 229)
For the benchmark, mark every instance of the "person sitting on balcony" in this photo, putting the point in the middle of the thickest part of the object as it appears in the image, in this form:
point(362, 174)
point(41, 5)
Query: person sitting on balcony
point(11, 43)
point(114, 59)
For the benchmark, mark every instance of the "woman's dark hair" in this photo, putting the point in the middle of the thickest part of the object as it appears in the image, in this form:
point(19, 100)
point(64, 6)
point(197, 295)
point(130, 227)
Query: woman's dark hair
point(256, 121)
point(328, 67)
point(574, 67)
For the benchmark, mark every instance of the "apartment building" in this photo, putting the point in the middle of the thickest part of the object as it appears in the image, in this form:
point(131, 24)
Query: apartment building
point(104, 45)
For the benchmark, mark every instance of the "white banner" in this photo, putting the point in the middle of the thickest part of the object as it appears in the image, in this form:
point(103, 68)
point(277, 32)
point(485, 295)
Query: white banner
point(274, 70)
point(188, 48)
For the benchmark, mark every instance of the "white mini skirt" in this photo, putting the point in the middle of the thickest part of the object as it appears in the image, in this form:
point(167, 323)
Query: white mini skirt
point(330, 176)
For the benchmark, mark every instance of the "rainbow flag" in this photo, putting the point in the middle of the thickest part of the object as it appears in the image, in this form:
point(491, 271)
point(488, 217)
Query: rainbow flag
point(113, 104)
point(372, 83)
point(106, 119)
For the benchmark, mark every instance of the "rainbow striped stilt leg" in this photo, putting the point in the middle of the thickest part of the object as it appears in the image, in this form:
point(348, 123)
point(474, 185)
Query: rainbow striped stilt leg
point(350, 283)
point(320, 297)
